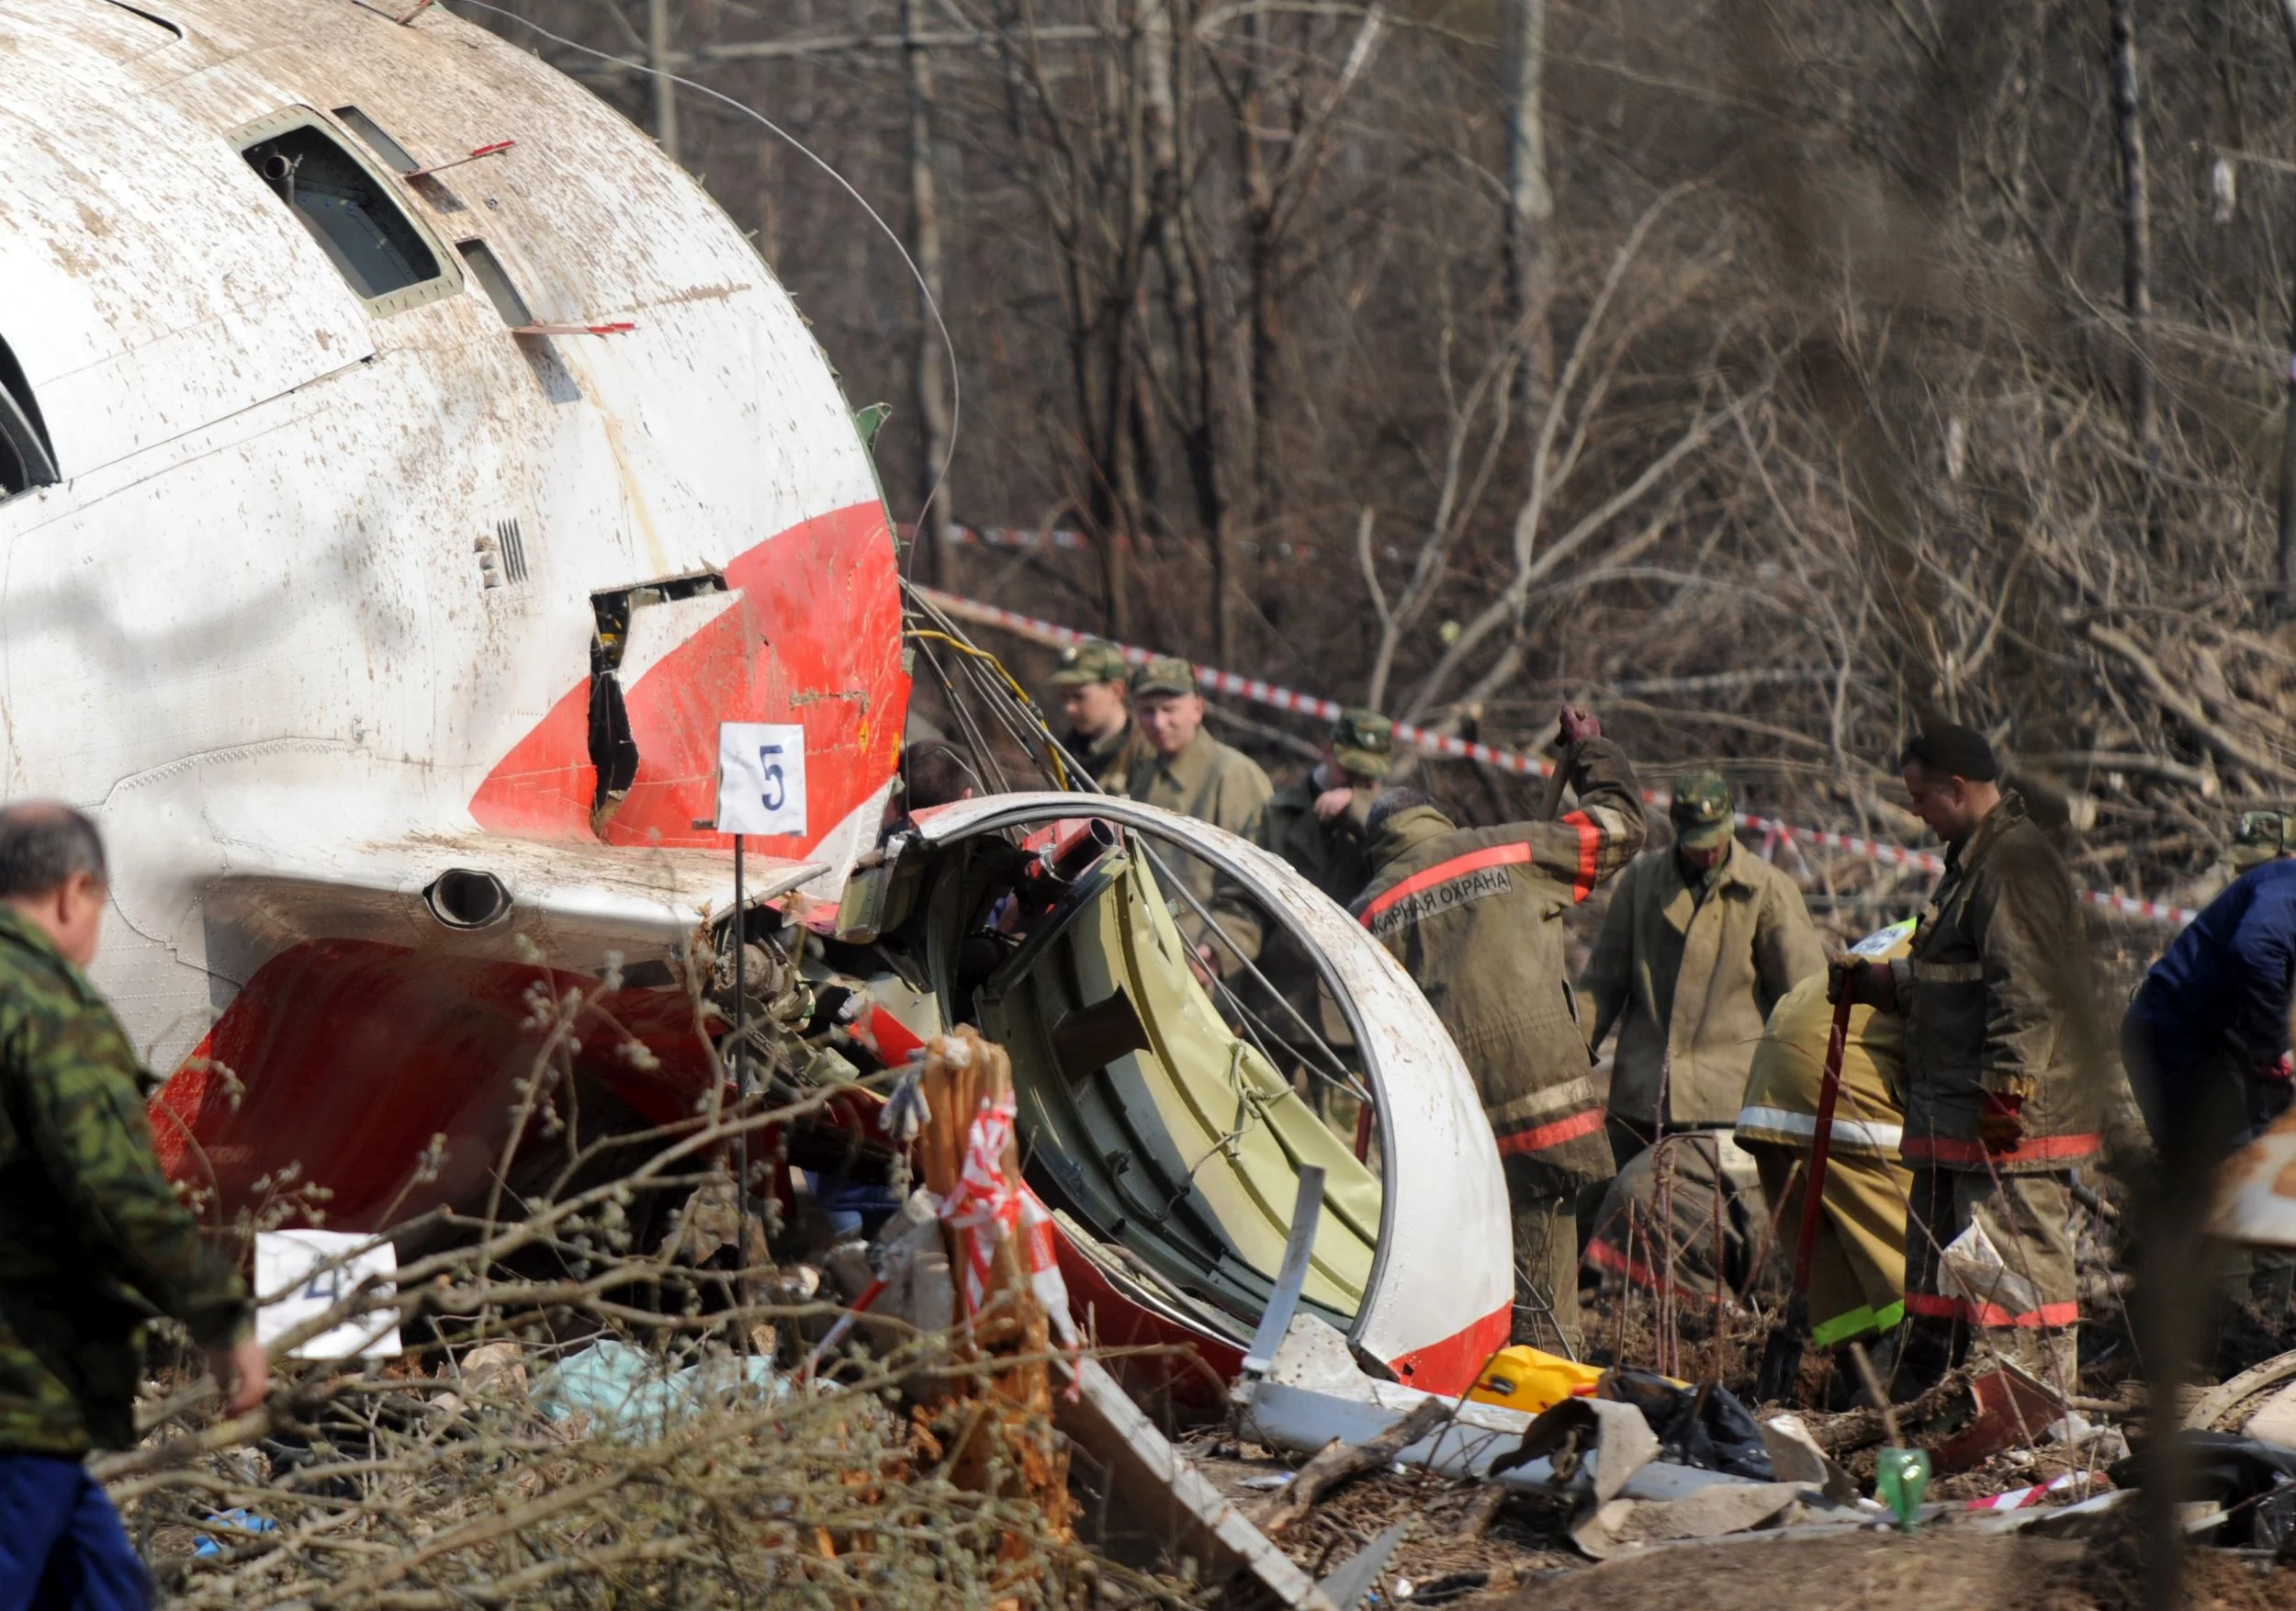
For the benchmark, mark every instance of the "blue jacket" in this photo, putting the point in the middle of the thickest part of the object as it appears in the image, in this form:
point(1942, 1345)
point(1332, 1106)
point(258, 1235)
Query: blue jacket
point(2218, 997)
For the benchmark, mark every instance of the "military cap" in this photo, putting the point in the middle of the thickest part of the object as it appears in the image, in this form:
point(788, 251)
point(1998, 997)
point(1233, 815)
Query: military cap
point(1164, 675)
point(1363, 741)
point(2262, 836)
point(1700, 809)
point(1094, 660)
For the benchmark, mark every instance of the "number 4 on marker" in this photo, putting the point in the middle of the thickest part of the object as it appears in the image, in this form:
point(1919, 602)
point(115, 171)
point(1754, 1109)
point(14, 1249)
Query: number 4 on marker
point(771, 769)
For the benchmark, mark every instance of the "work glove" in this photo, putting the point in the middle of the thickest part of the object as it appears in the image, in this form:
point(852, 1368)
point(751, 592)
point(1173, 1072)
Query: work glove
point(2000, 1122)
point(1576, 727)
point(1869, 983)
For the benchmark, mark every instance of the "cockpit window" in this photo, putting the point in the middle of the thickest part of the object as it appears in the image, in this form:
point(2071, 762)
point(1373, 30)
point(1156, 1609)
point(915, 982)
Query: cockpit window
point(380, 143)
point(25, 458)
point(350, 211)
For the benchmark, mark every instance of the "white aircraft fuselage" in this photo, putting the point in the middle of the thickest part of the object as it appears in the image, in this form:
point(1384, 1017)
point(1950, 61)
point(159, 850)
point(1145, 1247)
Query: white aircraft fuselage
point(380, 551)
point(387, 642)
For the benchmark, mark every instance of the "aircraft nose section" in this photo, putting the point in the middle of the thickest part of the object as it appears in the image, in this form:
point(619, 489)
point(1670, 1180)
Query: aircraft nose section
point(803, 628)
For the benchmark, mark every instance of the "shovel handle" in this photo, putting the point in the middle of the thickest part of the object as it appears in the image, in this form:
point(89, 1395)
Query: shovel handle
point(1821, 1144)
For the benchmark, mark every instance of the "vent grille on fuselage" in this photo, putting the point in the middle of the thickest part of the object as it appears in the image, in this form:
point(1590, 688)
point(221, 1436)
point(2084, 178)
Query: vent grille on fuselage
point(514, 545)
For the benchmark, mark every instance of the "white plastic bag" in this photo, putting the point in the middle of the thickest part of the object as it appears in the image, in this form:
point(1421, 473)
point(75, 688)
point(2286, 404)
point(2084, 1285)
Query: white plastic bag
point(1976, 1272)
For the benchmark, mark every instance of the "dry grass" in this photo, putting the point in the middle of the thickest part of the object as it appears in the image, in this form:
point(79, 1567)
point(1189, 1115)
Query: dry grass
point(458, 1475)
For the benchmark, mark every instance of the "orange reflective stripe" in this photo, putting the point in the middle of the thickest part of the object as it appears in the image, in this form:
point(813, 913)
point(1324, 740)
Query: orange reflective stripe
point(1942, 1149)
point(1552, 1133)
point(1935, 1307)
point(1602, 1256)
point(1456, 867)
point(1590, 853)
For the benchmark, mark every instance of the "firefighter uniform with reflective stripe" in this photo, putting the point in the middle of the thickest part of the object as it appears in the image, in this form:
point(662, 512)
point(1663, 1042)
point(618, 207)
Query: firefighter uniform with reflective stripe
point(1996, 972)
point(1474, 915)
point(1858, 1281)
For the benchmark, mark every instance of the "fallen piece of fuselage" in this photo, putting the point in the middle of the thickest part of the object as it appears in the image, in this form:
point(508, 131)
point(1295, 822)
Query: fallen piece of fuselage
point(1168, 1147)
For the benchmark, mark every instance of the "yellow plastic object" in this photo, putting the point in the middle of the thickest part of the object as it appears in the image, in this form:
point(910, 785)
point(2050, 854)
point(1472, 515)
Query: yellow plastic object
point(1531, 1379)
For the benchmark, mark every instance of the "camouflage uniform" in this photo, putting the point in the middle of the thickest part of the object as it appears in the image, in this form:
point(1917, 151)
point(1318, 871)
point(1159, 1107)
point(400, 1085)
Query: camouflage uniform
point(93, 1241)
point(1474, 915)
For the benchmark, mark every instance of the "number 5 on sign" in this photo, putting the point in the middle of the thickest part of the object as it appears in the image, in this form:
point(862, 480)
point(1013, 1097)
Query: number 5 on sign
point(761, 777)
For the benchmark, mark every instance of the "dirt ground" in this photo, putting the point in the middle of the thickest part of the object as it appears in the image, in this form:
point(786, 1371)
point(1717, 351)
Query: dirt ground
point(1520, 1559)
point(1949, 1568)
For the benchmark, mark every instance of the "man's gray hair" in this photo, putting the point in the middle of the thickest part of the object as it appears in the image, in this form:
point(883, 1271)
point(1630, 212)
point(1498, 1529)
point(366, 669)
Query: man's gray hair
point(42, 844)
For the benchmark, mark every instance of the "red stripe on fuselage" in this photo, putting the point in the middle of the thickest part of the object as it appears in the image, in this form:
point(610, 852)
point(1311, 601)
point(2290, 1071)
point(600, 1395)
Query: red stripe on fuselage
point(814, 638)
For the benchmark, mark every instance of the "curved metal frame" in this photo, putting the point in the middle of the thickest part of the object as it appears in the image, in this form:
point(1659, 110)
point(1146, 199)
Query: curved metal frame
point(1300, 908)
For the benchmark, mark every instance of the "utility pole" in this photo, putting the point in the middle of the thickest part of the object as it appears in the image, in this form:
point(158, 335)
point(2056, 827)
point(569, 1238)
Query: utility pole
point(665, 92)
point(933, 526)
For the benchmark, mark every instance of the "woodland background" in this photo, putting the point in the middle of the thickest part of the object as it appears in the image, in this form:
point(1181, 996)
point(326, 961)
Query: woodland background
point(1766, 373)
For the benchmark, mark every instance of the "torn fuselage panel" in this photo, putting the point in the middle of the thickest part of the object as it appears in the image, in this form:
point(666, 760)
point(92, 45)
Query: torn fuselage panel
point(639, 615)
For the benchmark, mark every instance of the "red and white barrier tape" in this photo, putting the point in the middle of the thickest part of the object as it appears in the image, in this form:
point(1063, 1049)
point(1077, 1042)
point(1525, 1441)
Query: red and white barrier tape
point(2019, 1498)
point(986, 1208)
point(1269, 694)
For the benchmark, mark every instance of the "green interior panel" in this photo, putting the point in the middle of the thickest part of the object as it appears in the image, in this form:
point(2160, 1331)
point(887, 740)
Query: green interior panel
point(1185, 1150)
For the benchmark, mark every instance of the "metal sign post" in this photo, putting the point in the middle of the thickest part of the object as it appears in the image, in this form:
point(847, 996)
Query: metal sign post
point(761, 789)
point(741, 1066)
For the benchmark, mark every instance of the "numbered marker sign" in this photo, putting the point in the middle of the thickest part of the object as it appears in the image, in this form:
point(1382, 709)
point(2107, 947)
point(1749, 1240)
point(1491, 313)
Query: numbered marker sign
point(761, 777)
point(306, 1273)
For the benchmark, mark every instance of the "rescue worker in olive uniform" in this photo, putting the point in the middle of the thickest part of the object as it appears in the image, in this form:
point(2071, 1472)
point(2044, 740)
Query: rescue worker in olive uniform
point(1702, 938)
point(93, 1241)
point(2000, 1101)
point(1190, 772)
point(1475, 916)
point(1316, 823)
point(1102, 737)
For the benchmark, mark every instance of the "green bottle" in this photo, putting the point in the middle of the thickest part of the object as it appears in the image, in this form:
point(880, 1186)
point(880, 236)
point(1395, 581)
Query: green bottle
point(1901, 1480)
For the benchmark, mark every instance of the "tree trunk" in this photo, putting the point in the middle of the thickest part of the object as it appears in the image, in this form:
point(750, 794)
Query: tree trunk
point(1189, 308)
point(665, 92)
point(2136, 240)
point(931, 371)
point(2287, 600)
point(1530, 202)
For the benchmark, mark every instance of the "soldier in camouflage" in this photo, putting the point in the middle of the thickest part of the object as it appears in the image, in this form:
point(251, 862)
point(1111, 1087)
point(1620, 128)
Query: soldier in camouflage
point(1475, 916)
point(93, 1241)
point(1102, 736)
